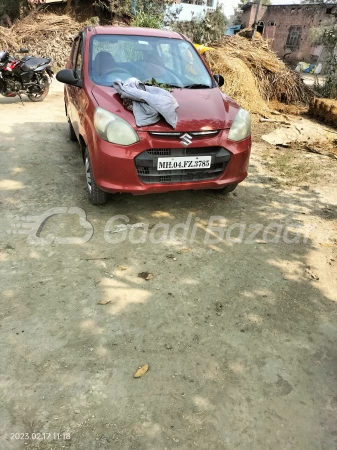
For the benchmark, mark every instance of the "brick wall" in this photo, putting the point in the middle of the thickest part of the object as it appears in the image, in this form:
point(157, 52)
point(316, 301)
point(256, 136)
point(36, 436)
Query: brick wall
point(248, 15)
point(280, 20)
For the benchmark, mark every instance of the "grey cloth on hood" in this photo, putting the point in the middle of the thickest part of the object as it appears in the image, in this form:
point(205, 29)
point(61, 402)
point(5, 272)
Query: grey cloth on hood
point(149, 102)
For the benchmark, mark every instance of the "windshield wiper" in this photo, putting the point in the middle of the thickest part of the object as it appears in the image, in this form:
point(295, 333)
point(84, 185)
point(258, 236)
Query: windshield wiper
point(156, 83)
point(197, 86)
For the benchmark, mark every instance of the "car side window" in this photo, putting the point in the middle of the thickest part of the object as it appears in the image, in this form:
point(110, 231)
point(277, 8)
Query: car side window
point(79, 62)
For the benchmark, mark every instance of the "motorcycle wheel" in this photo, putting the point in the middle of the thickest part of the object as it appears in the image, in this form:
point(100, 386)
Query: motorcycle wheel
point(39, 97)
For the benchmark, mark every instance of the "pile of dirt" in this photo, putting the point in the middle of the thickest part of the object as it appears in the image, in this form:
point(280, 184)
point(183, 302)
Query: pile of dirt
point(254, 74)
point(43, 34)
point(324, 110)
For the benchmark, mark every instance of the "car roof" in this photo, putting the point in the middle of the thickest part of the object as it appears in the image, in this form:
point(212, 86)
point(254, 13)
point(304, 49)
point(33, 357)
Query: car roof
point(135, 31)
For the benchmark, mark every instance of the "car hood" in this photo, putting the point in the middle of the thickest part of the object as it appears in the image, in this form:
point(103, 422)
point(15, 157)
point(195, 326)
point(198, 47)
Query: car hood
point(199, 109)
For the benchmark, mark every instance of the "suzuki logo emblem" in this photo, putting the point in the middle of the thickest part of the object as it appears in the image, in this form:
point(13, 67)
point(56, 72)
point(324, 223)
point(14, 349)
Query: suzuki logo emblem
point(185, 139)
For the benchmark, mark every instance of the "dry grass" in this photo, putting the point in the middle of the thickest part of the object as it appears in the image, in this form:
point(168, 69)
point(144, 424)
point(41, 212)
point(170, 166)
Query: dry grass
point(7, 40)
point(257, 62)
point(296, 109)
point(292, 167)
point(240, 83)
point(43, 35)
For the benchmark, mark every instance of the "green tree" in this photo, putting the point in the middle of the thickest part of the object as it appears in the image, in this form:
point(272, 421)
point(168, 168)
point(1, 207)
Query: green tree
point(143, 19)
point(204, 30)
point(145, 13)
point(327, 36)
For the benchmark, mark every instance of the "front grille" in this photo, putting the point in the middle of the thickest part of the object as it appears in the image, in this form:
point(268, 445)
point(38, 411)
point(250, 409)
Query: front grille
point(160, 151)
point(196, 134)
point(143, 171)
point(165, 179)
point(146, 165)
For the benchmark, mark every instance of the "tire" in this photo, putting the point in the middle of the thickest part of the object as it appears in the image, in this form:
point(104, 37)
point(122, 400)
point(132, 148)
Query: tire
point(71, 133)
point(40, 97)
point(95, 194)
point(226, 190)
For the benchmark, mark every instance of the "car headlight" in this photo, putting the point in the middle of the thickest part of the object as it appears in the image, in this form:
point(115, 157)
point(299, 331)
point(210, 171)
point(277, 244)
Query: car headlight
point(241, 126)
point(113, 129)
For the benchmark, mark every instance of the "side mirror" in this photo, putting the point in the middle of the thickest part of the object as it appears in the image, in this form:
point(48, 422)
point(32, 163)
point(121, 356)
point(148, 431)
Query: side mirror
point(219, 79)
point(23, 50)
point(68, 76)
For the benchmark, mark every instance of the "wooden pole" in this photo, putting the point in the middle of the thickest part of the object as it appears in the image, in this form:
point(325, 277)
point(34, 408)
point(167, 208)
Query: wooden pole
point(259, 4)
point(68, 6)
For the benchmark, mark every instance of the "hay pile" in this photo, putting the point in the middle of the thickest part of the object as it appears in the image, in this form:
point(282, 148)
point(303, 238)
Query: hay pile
point(240, 83)
point(43, 35)
point(254, 74)
point(7, 40)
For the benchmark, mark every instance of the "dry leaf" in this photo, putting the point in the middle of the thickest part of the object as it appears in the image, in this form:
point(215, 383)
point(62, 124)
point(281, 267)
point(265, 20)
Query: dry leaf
point(185, 250)
point(146, 275)
point(104, 301)
point(140, 372)
point(122, 267)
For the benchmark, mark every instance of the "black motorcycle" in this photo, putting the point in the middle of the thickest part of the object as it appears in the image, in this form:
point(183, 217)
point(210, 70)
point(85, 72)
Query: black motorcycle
point(28, 75)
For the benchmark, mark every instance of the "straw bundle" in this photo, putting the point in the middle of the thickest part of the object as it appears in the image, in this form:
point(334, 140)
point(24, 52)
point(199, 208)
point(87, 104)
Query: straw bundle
point(42, 24)
point(324, 110)
point(7, 40)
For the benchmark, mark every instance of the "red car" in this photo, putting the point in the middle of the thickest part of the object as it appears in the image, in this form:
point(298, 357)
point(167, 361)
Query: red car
point(208, 149)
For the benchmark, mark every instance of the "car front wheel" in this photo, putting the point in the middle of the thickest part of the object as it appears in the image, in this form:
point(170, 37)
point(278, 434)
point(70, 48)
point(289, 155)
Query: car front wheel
point(95, 194)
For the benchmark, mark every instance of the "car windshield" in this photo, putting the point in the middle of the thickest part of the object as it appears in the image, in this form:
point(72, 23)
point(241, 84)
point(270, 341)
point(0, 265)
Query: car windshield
point(173, 62)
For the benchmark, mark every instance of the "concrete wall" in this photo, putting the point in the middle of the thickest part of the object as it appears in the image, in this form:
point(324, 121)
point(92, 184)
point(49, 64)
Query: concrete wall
point(278, 19)
point(188, 10)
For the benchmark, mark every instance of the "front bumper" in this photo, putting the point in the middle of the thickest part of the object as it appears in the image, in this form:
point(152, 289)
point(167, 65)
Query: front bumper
point(127, 169)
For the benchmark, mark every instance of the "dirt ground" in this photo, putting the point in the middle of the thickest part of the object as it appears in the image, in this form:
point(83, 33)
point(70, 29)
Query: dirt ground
point(240, 335)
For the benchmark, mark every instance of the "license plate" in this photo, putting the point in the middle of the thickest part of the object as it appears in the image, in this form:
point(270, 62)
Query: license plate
point(184, 162)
